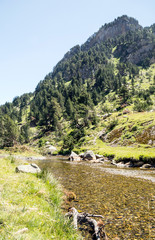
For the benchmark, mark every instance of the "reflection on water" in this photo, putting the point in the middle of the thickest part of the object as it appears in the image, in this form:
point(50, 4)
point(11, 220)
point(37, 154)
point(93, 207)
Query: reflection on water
point(127, 203)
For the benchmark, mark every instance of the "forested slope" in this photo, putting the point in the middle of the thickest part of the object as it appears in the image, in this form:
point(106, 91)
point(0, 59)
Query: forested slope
point(112, 72)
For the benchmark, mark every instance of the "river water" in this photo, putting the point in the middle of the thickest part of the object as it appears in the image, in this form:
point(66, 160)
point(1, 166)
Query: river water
point(125, 197)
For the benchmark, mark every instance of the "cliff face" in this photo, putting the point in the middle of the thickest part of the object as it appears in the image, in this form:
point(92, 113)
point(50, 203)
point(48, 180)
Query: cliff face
point(118, 27)
point(131, 42)
point(139, 52)
point(142, 53)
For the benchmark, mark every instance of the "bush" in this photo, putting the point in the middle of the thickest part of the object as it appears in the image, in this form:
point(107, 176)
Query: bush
point(76, 136)
point(141, 105)
point(112, 124)
point(41, 142)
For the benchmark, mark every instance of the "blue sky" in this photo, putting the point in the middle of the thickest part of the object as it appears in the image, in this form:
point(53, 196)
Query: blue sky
point(35, 35)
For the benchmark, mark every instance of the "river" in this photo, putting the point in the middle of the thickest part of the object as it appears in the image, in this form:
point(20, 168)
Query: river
point(125, 197)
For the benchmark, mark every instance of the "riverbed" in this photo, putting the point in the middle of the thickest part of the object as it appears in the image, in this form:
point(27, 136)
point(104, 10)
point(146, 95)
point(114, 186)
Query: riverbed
point(125, 197)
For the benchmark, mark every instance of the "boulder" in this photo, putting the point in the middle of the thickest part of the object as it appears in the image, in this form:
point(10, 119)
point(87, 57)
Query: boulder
point(138, 164)
point(121, 165)
point(81, 155)
point(129, 164)
point(89, 155)
point(145, 166)
point(98, 156)
point(124, 165)
point(113, 162)
point(50, 149)
point(31, 168)
point(74, 157)
point(150, 142)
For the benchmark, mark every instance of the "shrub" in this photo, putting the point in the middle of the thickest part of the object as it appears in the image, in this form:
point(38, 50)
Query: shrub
point(141, 105)
point(112, 124)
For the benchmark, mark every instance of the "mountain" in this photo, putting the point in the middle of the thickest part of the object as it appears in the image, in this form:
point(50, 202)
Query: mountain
point(113, 71)
point(124, 38)
point(120, 26)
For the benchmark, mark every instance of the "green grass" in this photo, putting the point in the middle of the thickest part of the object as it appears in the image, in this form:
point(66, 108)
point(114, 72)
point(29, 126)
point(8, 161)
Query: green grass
point(32, 203)
point(120, 152)
point(134, 131)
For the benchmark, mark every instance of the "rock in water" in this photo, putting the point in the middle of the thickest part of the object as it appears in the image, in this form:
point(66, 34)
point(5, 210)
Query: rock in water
point(89, 155)
point(146, 166)
point(74, 157)
point(31, 168)
point(98, 156)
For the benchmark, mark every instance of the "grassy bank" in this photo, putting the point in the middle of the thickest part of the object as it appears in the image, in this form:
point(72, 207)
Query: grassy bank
point(120, 153)
point(128, 139)
point(30, 206)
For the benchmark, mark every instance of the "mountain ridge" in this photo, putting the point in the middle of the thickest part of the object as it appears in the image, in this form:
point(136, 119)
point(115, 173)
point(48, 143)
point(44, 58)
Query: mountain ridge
point(126, 28)
point(119, 26)
point(113, 75)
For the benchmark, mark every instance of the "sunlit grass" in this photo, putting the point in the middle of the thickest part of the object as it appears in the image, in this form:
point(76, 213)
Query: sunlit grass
point(120, 152)
point(132, 125)
point(31, 203)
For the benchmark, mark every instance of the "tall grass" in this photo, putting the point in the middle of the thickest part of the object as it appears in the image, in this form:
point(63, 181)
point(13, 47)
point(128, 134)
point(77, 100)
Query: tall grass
point(30, 206)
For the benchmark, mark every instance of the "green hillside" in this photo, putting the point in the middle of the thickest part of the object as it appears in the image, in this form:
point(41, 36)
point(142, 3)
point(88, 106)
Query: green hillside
point(99, 96)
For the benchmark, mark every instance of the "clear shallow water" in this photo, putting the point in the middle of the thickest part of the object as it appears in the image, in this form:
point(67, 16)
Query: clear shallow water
point(123, 196)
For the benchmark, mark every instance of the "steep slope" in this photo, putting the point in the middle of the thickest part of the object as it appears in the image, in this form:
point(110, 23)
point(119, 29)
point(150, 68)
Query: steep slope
point(124, 38)
point(112, 71)
point(120, 26)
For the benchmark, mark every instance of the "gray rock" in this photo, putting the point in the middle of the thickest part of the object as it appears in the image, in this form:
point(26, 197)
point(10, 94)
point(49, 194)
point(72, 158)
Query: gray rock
point(124, 165)
point(128, 164)
point(98, 156)
point(31, 168)
point(106, 160)
point(50, 149)
point(146, 166)
point(74, 157)
point(150, 142)
point(81, 155)
point(138, 164)
point(103, 134)
point(120, 165)
point(89, 155)
point(114, 162)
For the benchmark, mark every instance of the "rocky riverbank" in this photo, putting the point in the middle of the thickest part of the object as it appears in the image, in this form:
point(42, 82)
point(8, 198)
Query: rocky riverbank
point(96, 158)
